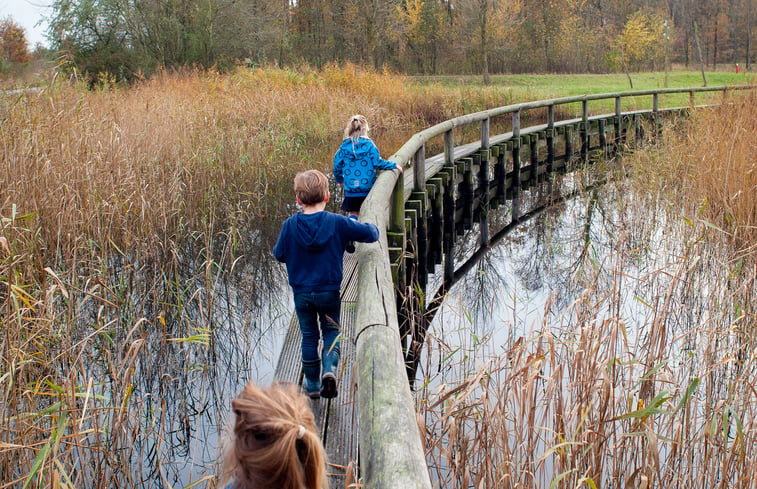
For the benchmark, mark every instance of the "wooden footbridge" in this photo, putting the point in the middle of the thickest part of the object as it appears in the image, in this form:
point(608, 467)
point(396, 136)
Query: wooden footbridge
point(371, 426)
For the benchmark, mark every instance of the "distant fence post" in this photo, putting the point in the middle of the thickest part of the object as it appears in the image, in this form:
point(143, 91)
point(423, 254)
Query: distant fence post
point(550, 138)
point(585, 129)
point(483, 184)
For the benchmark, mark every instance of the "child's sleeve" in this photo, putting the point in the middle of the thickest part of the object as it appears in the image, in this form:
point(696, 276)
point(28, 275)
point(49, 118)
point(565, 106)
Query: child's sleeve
point(364, 232)
point(278, 250)
point(338, 166)
point(379, 162)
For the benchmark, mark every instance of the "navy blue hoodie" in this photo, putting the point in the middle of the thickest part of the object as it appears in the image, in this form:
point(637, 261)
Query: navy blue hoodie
point(312, 246)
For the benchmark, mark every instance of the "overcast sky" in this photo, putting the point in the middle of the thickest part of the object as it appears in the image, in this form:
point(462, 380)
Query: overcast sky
point(27, 14)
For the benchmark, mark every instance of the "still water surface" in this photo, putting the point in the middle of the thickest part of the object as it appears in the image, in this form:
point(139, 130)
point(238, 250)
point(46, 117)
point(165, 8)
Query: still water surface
point(184, 397)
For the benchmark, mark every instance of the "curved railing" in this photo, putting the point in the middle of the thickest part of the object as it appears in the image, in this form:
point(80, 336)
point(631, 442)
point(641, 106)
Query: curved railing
point(391, 454)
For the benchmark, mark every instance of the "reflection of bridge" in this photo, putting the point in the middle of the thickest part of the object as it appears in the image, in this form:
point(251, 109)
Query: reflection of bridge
point(420, 215)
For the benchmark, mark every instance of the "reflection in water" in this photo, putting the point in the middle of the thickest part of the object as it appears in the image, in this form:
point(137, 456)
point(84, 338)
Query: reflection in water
point(566, 332)
point(214, 330)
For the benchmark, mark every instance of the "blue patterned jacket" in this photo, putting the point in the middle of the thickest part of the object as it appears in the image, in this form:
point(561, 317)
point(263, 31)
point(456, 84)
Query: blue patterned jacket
point(355, 165)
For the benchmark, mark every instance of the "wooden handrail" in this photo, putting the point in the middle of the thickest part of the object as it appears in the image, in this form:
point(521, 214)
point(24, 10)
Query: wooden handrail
point(406, 152)
point(391, 453)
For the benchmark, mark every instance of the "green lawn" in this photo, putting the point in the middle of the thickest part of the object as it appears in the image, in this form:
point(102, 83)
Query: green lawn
point(523, 88)
point(561, 85)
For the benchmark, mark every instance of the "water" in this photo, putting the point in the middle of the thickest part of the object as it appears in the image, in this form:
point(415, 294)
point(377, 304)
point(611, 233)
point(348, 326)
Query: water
point(229, 326)
point(189, 368)
point(610, 292)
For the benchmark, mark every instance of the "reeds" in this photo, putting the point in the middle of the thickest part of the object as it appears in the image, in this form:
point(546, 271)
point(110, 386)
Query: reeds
point(709, 166)
point(645, 384)
point(640, 372)
point(123, 212)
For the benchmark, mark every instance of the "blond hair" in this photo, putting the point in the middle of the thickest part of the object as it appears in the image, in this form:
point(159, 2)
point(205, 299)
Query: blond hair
point(356, 127)
point(274, 441)
point(311, 187)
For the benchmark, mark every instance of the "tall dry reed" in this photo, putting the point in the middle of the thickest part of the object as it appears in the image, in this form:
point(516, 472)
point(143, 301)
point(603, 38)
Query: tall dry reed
point(122, 210)
point(710, 167)
point(645, 377)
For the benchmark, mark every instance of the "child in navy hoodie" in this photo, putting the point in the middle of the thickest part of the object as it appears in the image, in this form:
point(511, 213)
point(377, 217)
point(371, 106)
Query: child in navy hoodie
point(312, 244)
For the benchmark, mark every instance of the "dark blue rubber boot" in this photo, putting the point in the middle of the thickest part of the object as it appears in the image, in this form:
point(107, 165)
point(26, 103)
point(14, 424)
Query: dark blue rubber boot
point(328, 379)
point(312, 380)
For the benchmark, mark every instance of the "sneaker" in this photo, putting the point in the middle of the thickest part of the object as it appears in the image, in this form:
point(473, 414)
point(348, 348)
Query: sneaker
point(328, 391)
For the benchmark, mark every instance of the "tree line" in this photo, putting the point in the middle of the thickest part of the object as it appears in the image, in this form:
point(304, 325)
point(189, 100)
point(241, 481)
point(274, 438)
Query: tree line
point(126, 38)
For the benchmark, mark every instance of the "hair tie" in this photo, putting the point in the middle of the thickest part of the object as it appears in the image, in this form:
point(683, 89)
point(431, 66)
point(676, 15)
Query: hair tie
point(301, 432)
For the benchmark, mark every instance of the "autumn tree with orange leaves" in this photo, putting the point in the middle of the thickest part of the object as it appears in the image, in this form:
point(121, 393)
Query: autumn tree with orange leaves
point(13, 45)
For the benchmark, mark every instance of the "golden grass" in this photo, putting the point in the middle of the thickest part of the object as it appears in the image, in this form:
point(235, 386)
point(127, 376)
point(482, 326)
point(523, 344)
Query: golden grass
point(117, 205)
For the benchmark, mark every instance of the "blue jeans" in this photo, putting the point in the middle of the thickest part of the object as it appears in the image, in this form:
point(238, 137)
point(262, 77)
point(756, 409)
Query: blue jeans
point(310, 308)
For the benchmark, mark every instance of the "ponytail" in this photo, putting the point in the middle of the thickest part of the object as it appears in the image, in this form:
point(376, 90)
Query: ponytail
point(274, 441)
point(356, 127)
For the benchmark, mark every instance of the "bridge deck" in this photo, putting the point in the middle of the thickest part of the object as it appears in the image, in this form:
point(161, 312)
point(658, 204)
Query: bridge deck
point(336, 418)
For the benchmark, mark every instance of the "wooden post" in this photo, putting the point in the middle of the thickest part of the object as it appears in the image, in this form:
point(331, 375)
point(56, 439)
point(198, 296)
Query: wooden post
point(397, 213)
point(655, 114)
point(516, 153)
point(550, 139)
point(585, 129)
point(516, 166)
point(691, 99)
point(533, 155)
point(466, 193)
point(568, 145)
point(500, 173)
point(485, 133)
point(483, 186)
point(419, 172)
point(602, 137)
point(449, 148)
point(411, 244)
point(449, 226)
point(435, 187)
point(418, 202)
point(618, 123)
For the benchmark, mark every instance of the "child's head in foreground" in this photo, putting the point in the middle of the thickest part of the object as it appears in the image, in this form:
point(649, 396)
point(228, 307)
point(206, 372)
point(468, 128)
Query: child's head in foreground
point(274, 441)
point(311, 187)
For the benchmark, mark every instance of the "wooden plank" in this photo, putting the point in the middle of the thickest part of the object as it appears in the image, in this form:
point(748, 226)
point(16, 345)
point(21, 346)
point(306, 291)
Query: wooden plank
point(336, 418)
point(340, 423)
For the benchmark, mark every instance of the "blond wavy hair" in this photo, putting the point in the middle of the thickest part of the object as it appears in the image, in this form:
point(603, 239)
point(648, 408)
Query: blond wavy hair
point(356, 127)
point(274, 441)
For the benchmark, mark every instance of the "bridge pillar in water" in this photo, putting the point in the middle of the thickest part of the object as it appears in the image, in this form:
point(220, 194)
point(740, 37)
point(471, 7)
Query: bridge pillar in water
point(483, 185)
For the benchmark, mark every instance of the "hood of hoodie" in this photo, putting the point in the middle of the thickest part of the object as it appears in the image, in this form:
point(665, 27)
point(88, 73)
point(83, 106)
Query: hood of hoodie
point(358, 149)
point(314, 230)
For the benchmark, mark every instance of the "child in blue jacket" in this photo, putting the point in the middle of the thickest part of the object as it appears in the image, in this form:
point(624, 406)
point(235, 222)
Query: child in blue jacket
point(356, 162)
point(312, 244)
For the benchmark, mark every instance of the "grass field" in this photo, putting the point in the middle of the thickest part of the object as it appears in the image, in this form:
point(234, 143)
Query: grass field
point(543, 86)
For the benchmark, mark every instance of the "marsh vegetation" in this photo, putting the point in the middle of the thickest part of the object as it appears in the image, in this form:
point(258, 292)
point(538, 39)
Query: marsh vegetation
point(612, 341)
point(137, 291)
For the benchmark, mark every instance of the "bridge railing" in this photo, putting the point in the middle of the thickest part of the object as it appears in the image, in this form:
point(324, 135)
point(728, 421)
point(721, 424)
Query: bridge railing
point(391, 451)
